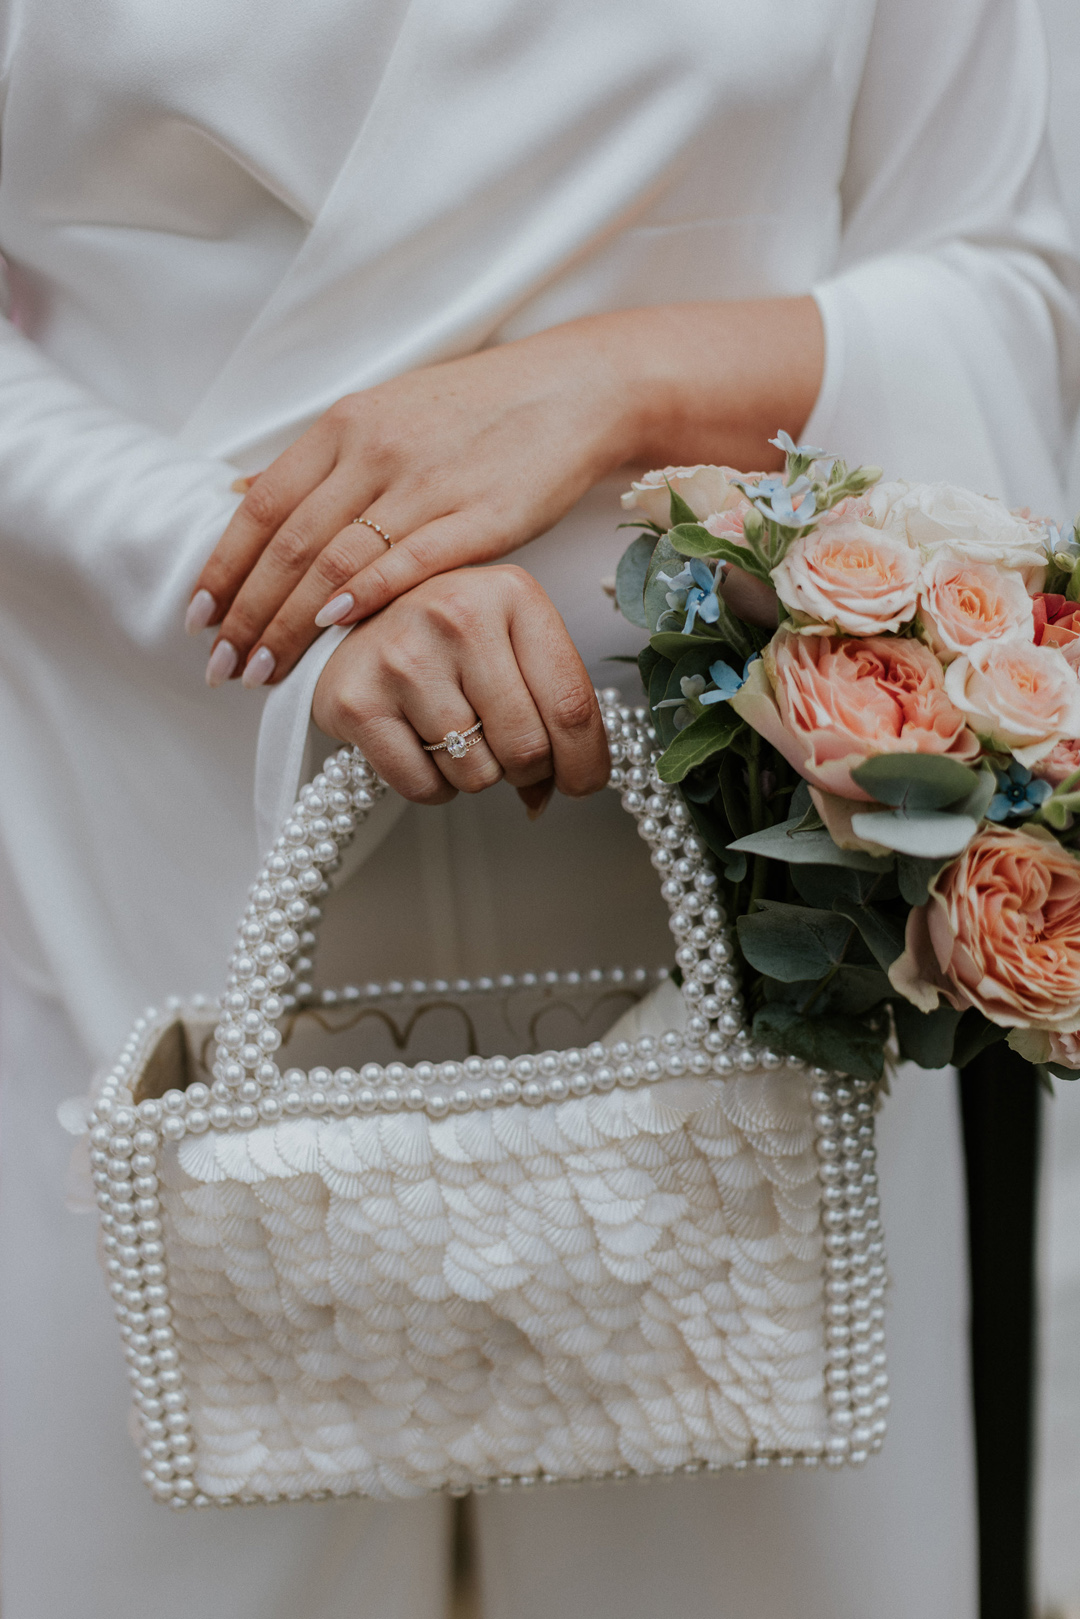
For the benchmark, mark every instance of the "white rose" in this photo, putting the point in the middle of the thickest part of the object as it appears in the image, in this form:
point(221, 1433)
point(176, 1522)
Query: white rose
point(706, 490)
point(1025, 698)
point(975, 526)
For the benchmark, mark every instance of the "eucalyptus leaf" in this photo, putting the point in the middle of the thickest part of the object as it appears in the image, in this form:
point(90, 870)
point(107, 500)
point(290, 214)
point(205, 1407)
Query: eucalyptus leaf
point(672, 645)
point(922, 835)
point(664, 559)
point(630, 576)
point(815, 848)
point(849, 991)
point(914, 878)
point(793, 942)
point(915, 781)
point(821, 886)
point(1059, 1072)
point(883, 935)
point(973, 1034)
point(925, 1037)
point(733, 791)
point(977, 802)
point(708, 734)
point(842, 1044)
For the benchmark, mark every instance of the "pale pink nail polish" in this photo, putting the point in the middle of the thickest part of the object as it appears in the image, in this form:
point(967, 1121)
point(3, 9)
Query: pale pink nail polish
point(201, 609)
point(260, 666)
point(223, 661)
point(334, 611)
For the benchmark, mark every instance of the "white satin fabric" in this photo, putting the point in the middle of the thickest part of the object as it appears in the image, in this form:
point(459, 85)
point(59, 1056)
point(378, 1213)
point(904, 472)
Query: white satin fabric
point(217, 220)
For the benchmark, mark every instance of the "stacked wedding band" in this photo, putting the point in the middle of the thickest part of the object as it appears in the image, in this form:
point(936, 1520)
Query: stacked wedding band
point(457, 743)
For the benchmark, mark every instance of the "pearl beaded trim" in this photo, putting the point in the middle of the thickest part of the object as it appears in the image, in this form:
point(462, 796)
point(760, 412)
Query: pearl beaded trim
point(268, 979)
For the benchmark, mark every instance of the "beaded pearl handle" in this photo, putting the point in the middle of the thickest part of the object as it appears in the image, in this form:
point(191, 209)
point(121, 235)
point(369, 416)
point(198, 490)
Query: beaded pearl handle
point(277, 931)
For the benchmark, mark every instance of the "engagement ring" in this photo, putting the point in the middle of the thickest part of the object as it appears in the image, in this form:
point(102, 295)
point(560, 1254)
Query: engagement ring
point(457, 743)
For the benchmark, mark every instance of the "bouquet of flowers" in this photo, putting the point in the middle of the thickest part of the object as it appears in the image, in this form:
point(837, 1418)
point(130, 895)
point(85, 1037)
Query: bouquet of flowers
point(869, 696)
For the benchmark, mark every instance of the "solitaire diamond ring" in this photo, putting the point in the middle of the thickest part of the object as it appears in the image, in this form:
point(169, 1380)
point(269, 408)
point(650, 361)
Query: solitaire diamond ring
point(457, 743)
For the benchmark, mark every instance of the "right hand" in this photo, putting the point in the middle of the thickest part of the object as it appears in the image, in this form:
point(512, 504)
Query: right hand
point(477, 643)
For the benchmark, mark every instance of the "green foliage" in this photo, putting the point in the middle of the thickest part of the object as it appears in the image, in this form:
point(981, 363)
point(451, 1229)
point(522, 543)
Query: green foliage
point(630, 576)
point(915, 781)
point(703, 737)
point(793, 942)
point(849, 1045)
point(786, 842)
point(925, 1037)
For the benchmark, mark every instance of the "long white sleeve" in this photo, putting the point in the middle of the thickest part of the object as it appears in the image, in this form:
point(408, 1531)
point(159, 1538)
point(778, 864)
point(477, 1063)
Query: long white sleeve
point(951, 322)
point(97, 505)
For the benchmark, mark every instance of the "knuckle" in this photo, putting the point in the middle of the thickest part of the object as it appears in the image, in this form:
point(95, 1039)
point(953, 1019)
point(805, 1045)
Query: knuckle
point(260, 504)
point(404, 664)
point(574, 710)
point(529, 752)
point(336, 566)
point(291, 548)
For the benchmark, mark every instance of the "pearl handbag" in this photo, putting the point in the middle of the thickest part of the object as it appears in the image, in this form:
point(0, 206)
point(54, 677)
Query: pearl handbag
point(657, 1252)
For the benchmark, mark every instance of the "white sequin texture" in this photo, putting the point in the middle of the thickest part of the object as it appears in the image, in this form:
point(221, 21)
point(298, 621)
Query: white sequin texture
point(657, 1253)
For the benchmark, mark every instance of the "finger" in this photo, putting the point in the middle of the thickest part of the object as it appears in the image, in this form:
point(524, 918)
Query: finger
point(559, 682)
point(271, 498)
point(493, 684)
point(289, 630)
point(321, 519)
point(391, 746)
point(451, 541)
point(438, 709)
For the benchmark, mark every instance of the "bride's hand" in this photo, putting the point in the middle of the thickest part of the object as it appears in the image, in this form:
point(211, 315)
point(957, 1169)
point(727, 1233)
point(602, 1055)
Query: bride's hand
point(455, 464)
point(463, 462)
point(477, 644)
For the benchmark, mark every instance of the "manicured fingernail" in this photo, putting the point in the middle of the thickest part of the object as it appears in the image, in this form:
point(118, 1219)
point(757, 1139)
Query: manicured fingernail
point(223, 661)
point(536, 799)
point(260, 666)
point(201, 609)
point(334, 611)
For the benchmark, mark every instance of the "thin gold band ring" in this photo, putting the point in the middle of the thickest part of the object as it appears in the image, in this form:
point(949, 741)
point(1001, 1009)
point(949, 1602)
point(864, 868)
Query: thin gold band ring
point(367, 523)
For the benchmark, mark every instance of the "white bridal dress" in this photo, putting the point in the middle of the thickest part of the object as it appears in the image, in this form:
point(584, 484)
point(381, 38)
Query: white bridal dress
point(217, 219)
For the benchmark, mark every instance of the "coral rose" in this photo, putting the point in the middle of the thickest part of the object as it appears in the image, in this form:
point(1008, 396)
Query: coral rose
point(931, 515)
point(851, 576)
point(706, 490)
point(1023, 697)
point(827, 704)
point(962, 602)
point(1000, 932)
point(1057, 623)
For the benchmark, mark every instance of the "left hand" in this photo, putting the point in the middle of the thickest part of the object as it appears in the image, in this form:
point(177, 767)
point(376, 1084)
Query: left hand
point(463, 462)
point(457, 463)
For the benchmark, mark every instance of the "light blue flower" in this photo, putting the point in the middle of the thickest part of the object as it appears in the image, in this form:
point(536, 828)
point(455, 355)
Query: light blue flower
point(695, 591)
point(726, 680)
point(1018, 793)
point(779, 503)
point(784, 441)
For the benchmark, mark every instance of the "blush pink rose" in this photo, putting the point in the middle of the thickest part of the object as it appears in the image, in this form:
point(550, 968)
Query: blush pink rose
point(1057, 623)
point(828, 703)
point(851, 576)
point(1061, 762)
point(1000, 932)
point(1024, 698)
point(962, 602)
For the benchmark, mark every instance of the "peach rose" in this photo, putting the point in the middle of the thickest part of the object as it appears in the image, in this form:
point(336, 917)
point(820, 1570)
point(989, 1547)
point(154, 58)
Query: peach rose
point(962, 602)
point(1060, 762)
point(1057, 623)
point(828, 703)
point(931, 515)
point(851, 576)
point(706, 490)
point(1024, 698)
point(1000, 932)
